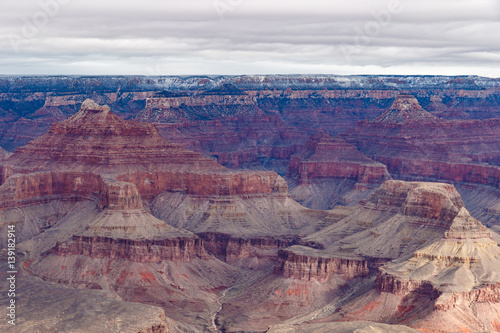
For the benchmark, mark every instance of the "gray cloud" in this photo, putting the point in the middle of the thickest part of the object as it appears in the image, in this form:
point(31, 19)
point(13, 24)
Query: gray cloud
point(250, 36)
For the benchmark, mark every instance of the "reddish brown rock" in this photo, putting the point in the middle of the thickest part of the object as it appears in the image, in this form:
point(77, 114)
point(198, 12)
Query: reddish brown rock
point(206, 183)
point(405, 108)
point(327, 158)
point(229, 247)
point(175, 249)
point(240, 141)
point(426, 147)
point(314, 267)
point(43, 186)
point(329, 172)
point(96, 140)
point(456, 273)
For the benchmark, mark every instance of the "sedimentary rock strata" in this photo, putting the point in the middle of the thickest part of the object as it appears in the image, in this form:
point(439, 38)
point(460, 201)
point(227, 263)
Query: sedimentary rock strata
point(413, 143)
point(328, 171)
point(117, 172)
point(327, 158)
point(459, 272)
point(100, 202)
point(303, 264)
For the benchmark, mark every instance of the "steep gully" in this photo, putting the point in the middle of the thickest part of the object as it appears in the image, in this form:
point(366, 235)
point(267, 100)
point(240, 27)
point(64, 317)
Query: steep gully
point(214, 316)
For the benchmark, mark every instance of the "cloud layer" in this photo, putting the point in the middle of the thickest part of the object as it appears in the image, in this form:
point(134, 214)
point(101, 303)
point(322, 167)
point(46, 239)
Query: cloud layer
point(170, 37)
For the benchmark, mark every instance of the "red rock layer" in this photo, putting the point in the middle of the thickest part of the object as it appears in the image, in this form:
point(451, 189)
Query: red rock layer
point(21, 189)
point(434, 201)
point(38, 186)
point(151, 184)
point(96, 140)
point(327, 158)
point(412, 143)
point(405, 108)
point(389, 284)
point(229, 247)
point(176, 249)
point(238, 141)
point(317, 268)
point(485, 294)
point(457, 172)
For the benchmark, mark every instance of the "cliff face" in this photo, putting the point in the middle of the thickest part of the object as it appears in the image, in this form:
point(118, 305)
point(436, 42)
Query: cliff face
point(203, 111)
point(206, 183)
point(316, 268)
point(328, 172)
point(489, 294)
point(405, 108)
point(43, 186)
point(397, 219)
point(459, 272)
point(175, 249)
point(413, 143)
point(30, 188)
point(389, 284)
point(254, 253)
point(96, 140)
point(325, 158)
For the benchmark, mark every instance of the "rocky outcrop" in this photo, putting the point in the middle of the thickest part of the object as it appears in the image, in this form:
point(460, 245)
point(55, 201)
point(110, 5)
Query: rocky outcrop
point(206, 183)
point(96, 140)
point(327, 158)
point(396, 220)
point(43, 186)
point(404, 109)
point(430, 148)
point(174, 249)
point(390, 284)
point(230, 248)
point(488, 294)
point(459, 271)
point(328, 172)
point(295, 264)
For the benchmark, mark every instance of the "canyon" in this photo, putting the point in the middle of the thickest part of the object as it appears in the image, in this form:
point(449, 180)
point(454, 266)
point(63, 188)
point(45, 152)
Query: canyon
point(254, 203)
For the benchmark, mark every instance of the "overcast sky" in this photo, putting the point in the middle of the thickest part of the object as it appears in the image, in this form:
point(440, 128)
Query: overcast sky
point(167, 37)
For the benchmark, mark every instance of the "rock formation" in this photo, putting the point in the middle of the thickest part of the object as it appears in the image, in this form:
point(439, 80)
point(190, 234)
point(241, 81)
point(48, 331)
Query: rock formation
point(115, 173)
point(447, 281)
point(413, 143)
point(138, 164)
point(340, 262)
point(327, 158)
point(302, 263)
point(100, 202)
point(463, 269)
point(96, 140)
point(404, 109)
point(329, 170)
point(397, 219)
